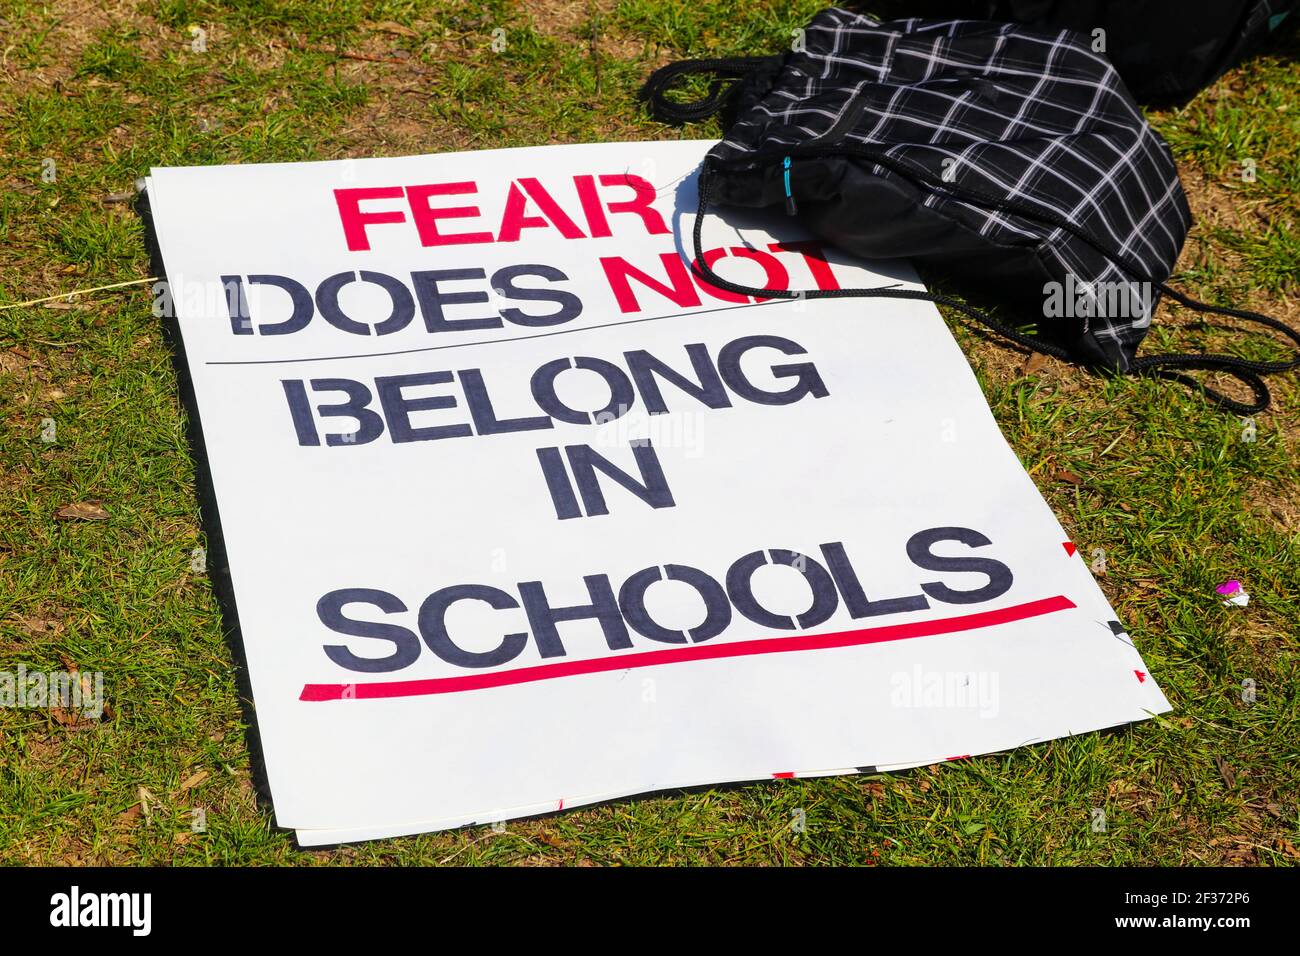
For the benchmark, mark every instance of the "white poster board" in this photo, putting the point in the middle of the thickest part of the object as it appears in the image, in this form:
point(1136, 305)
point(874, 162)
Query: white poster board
point(520, 516)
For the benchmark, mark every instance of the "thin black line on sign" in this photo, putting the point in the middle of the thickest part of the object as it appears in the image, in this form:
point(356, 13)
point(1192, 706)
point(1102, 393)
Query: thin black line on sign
point(516, 338)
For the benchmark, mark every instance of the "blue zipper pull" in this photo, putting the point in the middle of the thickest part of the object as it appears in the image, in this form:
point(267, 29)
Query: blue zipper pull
point(790, 208)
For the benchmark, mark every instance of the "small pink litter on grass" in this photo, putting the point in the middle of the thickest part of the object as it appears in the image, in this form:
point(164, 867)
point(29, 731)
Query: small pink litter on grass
point(1234, 593)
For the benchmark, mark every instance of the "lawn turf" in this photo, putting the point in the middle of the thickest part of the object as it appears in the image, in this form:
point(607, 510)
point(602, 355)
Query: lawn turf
point(1172, 492)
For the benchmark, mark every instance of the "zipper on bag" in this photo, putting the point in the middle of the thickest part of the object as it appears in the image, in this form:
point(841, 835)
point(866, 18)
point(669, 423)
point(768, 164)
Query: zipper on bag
point(790, 207)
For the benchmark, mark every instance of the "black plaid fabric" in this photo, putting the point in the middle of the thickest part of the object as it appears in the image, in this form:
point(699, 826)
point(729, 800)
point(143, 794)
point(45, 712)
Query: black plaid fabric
point(1034, 120)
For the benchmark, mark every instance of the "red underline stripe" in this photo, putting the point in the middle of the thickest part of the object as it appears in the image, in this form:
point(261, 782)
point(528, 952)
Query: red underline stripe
point(694, 652)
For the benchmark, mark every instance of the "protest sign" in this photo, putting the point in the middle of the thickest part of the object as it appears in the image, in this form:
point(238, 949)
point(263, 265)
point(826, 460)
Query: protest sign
point(520, 514)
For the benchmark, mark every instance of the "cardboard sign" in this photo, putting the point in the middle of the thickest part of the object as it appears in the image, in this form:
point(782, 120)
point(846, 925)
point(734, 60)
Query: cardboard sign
point(521, 514)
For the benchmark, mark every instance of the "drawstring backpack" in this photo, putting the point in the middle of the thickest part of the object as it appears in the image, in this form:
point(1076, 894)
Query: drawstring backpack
point(1011, 160)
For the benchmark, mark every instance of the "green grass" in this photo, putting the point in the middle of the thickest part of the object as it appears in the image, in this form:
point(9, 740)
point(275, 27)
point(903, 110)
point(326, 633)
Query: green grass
point(1167, 487)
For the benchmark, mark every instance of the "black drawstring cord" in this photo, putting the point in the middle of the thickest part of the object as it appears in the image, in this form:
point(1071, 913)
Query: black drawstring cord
point(723, 88)
point(1244, 370)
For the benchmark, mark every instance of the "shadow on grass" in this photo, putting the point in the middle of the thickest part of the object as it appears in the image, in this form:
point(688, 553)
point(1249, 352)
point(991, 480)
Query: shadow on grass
point(218, 563)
